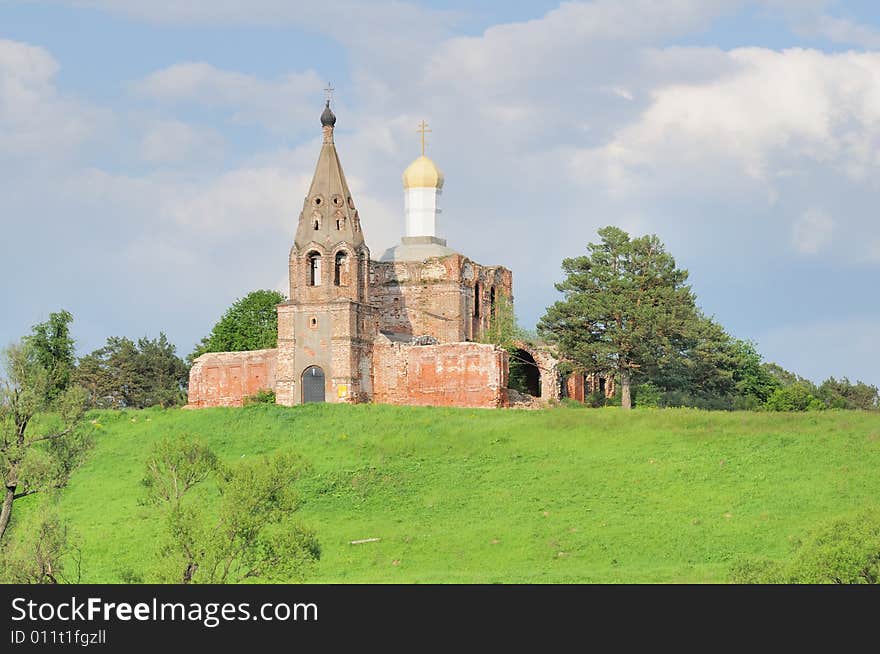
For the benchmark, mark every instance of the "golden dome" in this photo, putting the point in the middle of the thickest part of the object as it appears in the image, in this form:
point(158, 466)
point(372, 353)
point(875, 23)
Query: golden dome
point(422, 173)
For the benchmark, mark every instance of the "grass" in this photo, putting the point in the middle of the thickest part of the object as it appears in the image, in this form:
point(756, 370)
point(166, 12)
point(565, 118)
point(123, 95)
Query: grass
point(486, 496)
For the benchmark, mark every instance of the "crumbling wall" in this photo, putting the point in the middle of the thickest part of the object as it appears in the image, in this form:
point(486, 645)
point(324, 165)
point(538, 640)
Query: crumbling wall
point(575, 388)
point(451, 374)
point(579, 386)
point(226, 378)
point(450, 298)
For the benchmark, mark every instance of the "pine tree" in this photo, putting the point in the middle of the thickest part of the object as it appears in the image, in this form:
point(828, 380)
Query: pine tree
point(626, 309)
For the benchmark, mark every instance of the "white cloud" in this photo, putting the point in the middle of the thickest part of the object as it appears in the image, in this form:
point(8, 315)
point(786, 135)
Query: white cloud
point(35, 119)
point(588, 116)
point(238, 201)
point(173, 141)
point(277, 105)
point(781, 127)
point(812, 231)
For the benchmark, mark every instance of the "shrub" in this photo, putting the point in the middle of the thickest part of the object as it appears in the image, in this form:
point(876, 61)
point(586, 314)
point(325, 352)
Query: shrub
point(263, 396)
point(845, 550)
point(647, 395)
point(797, 397)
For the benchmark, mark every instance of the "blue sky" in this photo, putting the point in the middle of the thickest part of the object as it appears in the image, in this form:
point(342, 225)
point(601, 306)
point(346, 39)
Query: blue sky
point(153, 156)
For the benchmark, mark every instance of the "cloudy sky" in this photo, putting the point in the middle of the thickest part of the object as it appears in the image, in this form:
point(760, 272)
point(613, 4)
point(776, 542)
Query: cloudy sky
point(154, 155)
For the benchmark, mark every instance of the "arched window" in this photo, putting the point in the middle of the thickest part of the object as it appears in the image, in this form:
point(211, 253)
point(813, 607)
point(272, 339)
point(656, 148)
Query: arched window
point(314, 260)
point(477, 300)
point(340, 222)
point(340, 269)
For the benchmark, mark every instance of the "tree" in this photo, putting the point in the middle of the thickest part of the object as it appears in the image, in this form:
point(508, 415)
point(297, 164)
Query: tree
point(54, 350)
point(30, 463)
point(134, 375)
point(626, 308)
point(110, 374)
point(163, 375)
point(176, 466)
point(713, 370)
point(785, 377)
point(843, 550)
point(843, 394)
point(251, 323)
point(42, 555)
point(796, 397)
point(503, 329)
point(250, 533)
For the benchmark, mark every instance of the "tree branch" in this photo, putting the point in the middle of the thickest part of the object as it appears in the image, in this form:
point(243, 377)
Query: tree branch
point(50, 437)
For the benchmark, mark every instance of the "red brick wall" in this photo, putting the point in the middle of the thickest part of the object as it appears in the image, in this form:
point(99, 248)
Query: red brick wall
point(578, 386)
point(435, 297)
point(453, 374)
point(574, 387)
point(226, 378)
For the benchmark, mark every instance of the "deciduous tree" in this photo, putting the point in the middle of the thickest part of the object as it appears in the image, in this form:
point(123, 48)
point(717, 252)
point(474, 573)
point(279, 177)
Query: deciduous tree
point(33, 462)
point(245, 530)
point(251, 323)
point(53, 347)
point(46, 554)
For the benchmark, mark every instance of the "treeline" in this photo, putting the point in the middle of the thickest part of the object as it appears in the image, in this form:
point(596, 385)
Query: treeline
point(136, 374)
point(717, 371)
point(628, 312)
point(122, 374)
point(779, 390)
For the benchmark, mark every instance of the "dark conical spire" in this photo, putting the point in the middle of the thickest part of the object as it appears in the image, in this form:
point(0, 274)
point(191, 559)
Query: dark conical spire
point(328, 118)
point(329, 215)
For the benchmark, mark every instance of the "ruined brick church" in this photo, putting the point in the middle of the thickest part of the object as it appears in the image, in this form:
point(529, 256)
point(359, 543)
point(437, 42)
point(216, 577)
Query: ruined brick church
point(401, 329)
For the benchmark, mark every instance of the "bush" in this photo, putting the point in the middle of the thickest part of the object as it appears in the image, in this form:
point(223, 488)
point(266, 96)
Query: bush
point(647, 395)
point(845, 550)
point(263, 396)
point(797, 397)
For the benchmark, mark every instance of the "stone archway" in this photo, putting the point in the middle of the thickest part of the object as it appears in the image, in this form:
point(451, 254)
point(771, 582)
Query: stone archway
point(545, 369)
point(524, 375)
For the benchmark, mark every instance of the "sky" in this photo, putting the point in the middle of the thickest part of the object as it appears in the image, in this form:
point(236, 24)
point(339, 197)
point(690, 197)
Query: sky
point(154, 155)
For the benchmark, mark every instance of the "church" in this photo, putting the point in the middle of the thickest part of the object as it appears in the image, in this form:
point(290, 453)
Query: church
point(398, 329)
point(403, 328)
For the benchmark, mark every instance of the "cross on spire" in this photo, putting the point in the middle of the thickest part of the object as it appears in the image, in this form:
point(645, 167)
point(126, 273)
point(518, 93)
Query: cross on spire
point(423, 127)
point(328, 93)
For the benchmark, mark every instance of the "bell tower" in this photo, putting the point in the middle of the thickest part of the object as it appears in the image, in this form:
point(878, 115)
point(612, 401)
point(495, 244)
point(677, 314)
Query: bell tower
point(325, 330)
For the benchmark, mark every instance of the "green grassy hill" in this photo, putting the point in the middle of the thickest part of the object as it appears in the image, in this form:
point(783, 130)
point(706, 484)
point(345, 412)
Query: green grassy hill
point(455, 495)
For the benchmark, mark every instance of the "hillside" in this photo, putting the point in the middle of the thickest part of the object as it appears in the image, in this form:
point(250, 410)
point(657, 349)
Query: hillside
point(558, 495)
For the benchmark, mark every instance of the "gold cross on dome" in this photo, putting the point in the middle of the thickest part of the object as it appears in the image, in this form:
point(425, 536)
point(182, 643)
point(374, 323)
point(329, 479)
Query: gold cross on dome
point(328, 92)
point(423, 127)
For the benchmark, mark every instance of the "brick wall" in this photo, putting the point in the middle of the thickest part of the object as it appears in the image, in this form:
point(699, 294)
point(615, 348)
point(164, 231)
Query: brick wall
point(226, 378)
point(575, 387)
point(436, 297)
point(579, 386)
point(453, 374)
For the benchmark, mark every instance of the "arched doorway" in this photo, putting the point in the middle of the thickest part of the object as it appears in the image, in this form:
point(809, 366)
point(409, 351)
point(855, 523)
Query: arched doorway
point(313, 385)
point(525, 376)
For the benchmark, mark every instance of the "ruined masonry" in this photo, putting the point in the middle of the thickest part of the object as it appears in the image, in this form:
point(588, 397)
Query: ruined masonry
point(398, 330)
